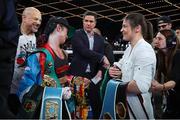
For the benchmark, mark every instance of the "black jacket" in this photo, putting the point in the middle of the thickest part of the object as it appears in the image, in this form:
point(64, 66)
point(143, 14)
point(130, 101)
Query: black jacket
point(82, 55)
point(9, 30)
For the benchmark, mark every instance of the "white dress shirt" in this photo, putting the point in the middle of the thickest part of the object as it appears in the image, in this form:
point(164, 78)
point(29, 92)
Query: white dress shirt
point(91, 45)
point(139, 64)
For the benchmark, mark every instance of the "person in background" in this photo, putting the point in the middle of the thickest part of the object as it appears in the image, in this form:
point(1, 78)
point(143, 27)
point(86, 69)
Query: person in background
point(177, 30)
point(31, 21)
point(164, 22)
point(108, 51)
point(88, 49)
point(167, 79)
point(88, 57)
point(9, 34)
point(137, 67)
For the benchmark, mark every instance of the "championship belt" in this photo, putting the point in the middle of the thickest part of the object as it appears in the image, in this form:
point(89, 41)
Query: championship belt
point(114, 104)
point(48, 81)
point(82, 107)
point(51, 103)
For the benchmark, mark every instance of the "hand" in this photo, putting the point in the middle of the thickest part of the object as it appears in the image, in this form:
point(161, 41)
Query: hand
point(99, 74)
point(66, 93)
point(106, 63)
point(86, 82)
point(97, 78)
point(115, 72)
point(156, 86)
point(155, 43)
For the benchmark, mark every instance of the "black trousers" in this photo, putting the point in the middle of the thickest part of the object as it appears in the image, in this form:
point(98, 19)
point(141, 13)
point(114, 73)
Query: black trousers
point(7, 58)
point(94, 99)
point(94, 96)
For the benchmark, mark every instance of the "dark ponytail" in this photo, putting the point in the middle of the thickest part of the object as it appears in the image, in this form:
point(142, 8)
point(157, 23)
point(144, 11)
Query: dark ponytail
point(50, 26)
point(149, 33)
point(41, 40)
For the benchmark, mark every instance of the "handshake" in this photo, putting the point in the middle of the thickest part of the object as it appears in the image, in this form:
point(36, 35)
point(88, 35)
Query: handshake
point(106, 63)
point(115, 72)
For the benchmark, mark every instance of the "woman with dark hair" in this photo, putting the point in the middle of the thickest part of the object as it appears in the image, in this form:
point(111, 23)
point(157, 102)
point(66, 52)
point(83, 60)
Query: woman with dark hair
point(168, 72)
point(48, 67)
point(137, 67)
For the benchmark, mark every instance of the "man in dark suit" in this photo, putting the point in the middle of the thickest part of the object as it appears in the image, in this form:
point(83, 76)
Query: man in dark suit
point(88, 49)
point(8, 45)
point(88, 56)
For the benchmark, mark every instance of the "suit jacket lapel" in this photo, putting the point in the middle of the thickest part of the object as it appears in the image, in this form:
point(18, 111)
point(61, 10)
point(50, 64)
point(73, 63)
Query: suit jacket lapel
point(85, 38)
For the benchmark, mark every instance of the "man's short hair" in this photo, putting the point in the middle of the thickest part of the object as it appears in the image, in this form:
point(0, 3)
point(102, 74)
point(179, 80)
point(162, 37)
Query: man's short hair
point(164, 19)
point(90, 13)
